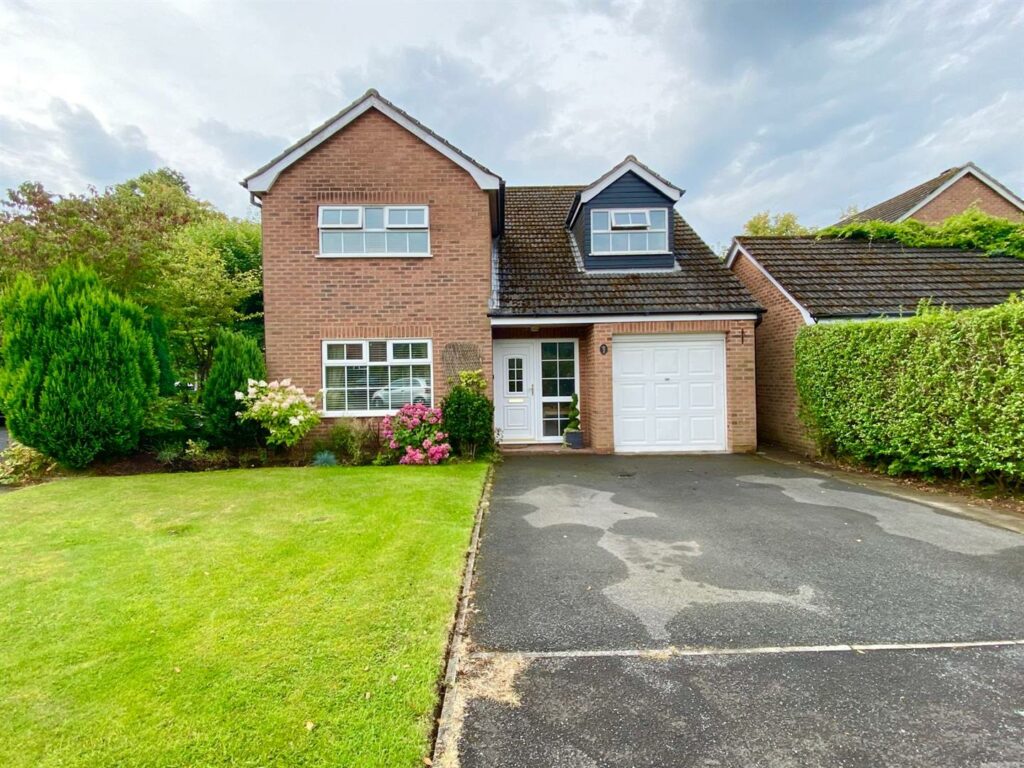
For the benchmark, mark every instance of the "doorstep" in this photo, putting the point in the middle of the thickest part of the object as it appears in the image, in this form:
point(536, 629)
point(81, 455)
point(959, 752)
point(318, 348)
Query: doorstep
point(517, 449)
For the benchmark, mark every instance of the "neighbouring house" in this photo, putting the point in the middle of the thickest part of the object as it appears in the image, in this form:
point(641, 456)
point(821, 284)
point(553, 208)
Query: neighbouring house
point(392, 260)
point(951, 192)
point(805, 280)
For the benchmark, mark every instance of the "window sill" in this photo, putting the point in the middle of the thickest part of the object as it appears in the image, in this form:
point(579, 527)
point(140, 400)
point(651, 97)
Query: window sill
point(631, 253)
point(355, 414)
point(374, 255)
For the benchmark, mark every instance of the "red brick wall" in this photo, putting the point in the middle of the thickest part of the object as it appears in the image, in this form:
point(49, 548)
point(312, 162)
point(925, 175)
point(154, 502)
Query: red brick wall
point(596, 377)
point(962, 195)
point(778, 420)
point(308, 299)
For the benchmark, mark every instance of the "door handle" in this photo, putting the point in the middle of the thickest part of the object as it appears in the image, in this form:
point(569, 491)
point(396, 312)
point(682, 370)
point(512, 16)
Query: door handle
point(531, 389)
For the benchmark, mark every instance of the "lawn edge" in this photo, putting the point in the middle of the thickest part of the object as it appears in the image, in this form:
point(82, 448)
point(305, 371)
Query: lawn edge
point(455, 648)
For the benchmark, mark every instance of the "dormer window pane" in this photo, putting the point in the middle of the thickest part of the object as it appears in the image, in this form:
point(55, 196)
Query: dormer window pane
point(628, 231)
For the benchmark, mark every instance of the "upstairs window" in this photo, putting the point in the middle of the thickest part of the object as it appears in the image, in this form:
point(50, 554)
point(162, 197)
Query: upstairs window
point(382, 230)
point(629, 231)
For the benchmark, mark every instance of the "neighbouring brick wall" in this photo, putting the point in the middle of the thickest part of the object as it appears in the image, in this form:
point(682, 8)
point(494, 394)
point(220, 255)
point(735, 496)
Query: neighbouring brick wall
point(962, 195)
point(444, 298)
point(596, 377)
point(778, 420)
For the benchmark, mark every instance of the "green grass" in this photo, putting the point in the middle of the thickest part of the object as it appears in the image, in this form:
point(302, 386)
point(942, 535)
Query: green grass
point(204, 619)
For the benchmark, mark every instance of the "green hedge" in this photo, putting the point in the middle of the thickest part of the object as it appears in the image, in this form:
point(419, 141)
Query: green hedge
point(938, 393)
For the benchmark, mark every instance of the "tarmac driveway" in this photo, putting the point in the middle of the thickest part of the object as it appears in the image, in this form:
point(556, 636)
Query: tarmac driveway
point(670, 611)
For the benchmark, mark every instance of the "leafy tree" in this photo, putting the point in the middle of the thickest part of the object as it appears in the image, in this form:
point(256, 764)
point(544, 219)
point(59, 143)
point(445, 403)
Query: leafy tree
point(236, 359)
point(158, 331)
point(970, 229)
point(764, 224)
point(201, 294)
point(78, 372)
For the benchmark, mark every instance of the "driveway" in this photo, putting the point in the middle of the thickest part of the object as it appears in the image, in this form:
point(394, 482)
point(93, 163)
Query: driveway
point(676, 611)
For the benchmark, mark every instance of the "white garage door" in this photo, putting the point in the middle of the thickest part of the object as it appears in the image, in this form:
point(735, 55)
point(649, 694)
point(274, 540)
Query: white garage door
point(669, 393)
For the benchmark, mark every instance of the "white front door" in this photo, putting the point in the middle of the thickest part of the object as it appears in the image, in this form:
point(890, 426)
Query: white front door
point(668, 393)
point(515, 391)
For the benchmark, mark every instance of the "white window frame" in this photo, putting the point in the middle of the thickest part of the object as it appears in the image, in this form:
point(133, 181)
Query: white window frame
point(364, 361)
point(612, 230)
point(362, 228)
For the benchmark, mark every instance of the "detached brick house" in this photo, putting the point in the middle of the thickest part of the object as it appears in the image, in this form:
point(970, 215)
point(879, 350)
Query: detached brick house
point(392, 260)
point(951, 192)
point(805, 280)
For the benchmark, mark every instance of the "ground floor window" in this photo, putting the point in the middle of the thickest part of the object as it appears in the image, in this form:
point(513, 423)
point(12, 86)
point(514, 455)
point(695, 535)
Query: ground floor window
point(557, 384)
point(376, 376)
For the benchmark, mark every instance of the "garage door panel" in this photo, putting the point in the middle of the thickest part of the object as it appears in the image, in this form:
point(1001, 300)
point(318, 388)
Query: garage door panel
point(669, 393)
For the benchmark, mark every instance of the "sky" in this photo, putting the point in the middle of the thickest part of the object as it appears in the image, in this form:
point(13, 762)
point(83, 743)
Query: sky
point(807, 107)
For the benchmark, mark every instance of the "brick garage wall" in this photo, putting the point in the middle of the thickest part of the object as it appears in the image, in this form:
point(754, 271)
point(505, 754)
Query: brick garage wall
point(596, 376)
point(962, 195)
point(778, 420)
point(307, 299)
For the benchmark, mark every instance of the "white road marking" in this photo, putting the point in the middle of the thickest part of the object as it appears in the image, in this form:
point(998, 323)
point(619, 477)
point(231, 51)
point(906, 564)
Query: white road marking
point(673, 652)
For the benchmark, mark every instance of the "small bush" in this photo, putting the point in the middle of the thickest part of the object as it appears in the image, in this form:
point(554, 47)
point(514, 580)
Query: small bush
point(78, 372)
point(170, 454)
point(353, 442)
point(171, 420)
point(324, 459)
point(939, 393)
point(283, 410)
point(469, 420)
point(415, 435)
point(198, 456)
point(20, 464)
point(573, 423)
point(236, 360)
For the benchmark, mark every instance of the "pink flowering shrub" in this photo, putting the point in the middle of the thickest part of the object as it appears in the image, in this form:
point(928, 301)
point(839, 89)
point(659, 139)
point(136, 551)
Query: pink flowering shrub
point(416, 434)
point(284, 410)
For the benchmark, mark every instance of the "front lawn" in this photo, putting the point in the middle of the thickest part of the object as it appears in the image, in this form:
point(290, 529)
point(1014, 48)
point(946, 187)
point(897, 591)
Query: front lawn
point(289, 617)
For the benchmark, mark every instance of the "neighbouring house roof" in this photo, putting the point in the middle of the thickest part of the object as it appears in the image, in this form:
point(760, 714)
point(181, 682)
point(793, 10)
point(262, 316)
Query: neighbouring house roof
point(262, 179)
point(906, 204)
point(538, 272)
point(835, 277)
point(628, 165)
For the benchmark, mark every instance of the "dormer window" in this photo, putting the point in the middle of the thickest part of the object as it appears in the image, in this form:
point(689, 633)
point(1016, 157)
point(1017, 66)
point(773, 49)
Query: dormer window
point(628, 231)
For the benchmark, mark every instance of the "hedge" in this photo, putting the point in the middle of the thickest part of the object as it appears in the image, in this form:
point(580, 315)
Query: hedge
point(940, 393)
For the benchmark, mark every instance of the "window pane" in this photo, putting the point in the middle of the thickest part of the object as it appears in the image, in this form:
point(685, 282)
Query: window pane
point(334, 401)
point(566, 387)
point(396, 217)
point(620, 219)
point(565, 368)
point(374, 218)
point(549, 387)
point(638, 218)
point(417, 242)
point(330, 216)
point(350, 217)
point(352, 242)
point(658, 218)
point(330, 241)
point(600, 220)
point(398, 242)
point(620, 242)
point(565, 351)
point(378, 376)
point(418, 350)
point(375, 242)
point(601, 243)
point(335, 376)
point(416, 217)
point(548, 351)
point(357, 400)
point(422, 372)
point(638, 241)
point(400, 350)
point(378, 351)
point(345, 351)
point(357, 376)
point(657, 241)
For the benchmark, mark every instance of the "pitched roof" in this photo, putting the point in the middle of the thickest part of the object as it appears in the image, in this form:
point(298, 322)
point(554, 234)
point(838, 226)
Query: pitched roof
point(263, 178)
point(538, 273)
point(835, 277)
point(905, 204)
point(629, 164)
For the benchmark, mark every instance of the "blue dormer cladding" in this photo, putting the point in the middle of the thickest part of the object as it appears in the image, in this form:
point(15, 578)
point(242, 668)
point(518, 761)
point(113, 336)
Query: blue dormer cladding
point(627, 192)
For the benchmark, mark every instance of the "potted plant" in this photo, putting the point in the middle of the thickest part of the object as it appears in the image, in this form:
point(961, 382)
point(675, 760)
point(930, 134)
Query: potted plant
point(572, 437)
